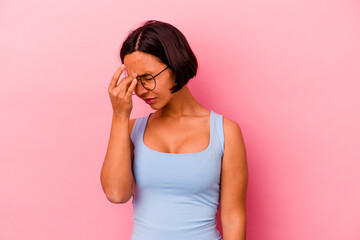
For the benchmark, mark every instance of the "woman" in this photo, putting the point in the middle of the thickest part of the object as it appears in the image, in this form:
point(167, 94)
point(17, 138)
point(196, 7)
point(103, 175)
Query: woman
point(177, 161)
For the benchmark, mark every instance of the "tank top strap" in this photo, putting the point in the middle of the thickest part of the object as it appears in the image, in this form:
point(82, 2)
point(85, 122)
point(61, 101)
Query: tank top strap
point(218, 131)
point(138, 128)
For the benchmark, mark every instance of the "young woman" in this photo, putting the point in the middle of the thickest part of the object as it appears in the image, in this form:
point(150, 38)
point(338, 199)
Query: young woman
point(179, 161)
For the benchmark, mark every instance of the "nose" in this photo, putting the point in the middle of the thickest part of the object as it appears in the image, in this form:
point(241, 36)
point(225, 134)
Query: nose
point(139, 89)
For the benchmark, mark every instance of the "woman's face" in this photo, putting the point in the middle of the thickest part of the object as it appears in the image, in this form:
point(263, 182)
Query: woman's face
point(143, 63)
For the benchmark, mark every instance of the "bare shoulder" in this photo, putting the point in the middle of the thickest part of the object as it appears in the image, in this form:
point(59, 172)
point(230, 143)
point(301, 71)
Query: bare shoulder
point(232, 131)
point(234, 146)
point(230, 123)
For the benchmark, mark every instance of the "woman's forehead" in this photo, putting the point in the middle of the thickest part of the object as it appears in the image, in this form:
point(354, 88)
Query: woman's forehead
point(141, 63)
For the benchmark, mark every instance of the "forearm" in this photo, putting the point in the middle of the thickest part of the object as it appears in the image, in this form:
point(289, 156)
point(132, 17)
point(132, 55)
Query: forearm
point(116, 175)
point(235, 229)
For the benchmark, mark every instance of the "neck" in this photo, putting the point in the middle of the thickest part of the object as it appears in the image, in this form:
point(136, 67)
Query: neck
point(181, 104)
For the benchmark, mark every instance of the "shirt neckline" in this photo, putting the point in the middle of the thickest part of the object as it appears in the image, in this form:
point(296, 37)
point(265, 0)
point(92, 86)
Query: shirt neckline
point(177, 154)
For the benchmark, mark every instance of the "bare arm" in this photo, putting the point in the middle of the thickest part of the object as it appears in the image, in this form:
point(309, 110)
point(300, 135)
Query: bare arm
point(234, 179)
point(117, 179)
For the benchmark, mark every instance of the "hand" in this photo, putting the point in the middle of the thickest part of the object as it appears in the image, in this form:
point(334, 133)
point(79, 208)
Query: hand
point(121, 94)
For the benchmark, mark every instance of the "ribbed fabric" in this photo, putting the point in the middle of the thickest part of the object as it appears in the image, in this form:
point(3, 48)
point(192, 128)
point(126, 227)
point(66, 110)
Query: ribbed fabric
point(176, 196)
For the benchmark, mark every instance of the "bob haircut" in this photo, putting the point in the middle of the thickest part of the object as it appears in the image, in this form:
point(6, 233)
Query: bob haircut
point(168, 44)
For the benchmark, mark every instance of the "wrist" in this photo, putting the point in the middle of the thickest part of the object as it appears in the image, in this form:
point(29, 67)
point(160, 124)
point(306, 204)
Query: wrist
point(121, 117)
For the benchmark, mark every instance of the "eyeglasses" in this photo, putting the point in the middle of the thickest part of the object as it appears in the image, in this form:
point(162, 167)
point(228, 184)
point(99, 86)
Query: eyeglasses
point(148, 80)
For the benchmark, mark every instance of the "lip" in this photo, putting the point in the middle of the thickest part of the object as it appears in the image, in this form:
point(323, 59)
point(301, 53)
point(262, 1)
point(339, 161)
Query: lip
point(149, 100)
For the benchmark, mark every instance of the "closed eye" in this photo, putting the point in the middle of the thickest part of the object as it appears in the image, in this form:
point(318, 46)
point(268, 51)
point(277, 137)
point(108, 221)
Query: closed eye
point(146, 77)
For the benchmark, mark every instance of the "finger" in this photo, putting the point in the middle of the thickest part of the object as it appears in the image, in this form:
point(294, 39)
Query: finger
point(124, 84)
point(116, 76)
point(132, 87)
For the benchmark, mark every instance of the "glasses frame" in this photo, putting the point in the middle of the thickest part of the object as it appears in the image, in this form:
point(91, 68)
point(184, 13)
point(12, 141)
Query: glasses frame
point(153, 77)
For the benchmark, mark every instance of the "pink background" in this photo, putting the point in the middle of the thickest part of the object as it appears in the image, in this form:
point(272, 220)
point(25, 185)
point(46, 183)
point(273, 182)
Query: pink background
point(286, 71)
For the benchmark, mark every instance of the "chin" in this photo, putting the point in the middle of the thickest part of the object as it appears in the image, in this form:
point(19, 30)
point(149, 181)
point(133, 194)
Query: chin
point(158, 105)
point(153, 106)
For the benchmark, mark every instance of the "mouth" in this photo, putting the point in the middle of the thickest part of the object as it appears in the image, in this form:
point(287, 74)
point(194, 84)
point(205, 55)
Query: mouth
point(149, 100)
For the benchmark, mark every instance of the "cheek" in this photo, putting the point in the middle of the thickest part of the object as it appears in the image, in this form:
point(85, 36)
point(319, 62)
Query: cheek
point(171, 80)
point(165, 84)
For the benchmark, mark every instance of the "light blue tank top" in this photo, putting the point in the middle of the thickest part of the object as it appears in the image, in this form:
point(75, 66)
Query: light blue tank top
point(177, 196)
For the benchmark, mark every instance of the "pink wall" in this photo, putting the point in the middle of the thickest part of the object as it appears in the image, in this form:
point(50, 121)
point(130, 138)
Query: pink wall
point(286, 71)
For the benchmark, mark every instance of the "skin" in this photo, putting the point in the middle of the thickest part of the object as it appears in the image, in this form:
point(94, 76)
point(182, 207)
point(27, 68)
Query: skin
point(164, 132)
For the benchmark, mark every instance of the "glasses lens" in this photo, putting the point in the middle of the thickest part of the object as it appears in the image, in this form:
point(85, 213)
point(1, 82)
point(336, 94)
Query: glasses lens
point(147, 81)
